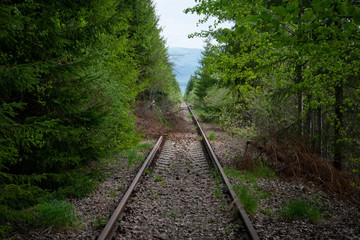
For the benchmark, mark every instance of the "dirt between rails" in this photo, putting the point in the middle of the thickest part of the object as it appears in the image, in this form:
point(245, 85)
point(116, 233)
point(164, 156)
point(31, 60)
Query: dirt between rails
point(176, 200)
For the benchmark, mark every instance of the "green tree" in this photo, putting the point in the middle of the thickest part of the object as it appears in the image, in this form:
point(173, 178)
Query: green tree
point(303, 53)
point(70, 72)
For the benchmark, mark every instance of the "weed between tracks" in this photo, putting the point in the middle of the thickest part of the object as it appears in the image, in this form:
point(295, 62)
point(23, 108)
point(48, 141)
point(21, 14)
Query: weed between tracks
point(159, 179)
point(173, 213)
point(218, 188)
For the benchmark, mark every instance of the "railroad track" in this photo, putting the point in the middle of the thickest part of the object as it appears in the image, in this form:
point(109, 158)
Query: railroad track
point(176, 200)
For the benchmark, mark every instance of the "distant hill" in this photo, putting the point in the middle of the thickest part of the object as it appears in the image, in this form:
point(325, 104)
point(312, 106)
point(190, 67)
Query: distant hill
point(186, 61)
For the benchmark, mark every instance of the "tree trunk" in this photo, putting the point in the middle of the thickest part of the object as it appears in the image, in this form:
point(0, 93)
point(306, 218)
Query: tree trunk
point(319, 132)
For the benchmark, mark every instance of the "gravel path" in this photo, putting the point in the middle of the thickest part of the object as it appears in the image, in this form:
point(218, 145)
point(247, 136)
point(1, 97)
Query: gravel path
point(176, 199)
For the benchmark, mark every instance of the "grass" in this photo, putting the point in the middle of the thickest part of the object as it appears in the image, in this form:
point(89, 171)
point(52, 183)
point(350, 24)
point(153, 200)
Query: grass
point(212, 136)
point(112, 193)
point(217, 186)
point(172, 213)
point(228, 230)
point(247, 198)
point(301, 209)
point(137, 153)
point(262, 170)
point(100, 222)
point(246, 185)
point(158, 178)
point(56, 214)
point(224, 205)
point(217, 192)
point(268, 212)
point(154, 195)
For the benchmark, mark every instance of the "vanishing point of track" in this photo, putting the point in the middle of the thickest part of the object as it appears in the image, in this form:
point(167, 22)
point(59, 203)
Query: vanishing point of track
point(200, 165)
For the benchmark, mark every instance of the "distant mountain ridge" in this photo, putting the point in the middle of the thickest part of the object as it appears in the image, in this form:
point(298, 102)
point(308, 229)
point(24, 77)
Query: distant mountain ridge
point(186, 62)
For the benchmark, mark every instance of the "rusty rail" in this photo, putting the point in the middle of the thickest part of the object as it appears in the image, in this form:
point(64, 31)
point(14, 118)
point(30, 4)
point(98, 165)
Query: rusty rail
point(111, 224)
point(243, 215)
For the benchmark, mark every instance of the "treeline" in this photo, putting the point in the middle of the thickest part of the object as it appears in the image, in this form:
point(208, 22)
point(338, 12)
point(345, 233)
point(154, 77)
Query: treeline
point(70, 71)
point(284, 66)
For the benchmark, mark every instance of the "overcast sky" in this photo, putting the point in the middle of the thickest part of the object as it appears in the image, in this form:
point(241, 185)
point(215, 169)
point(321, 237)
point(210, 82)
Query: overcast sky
point(177, 25)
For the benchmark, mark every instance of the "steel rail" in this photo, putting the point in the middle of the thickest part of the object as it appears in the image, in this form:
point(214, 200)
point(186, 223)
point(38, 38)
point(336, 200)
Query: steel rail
point(243, 215)
point(111, 224)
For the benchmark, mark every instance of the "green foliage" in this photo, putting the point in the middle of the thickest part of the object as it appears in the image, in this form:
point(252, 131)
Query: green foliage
point(158, 178)
point(55, 214)
point(4, 229)
point(217, 192)
point(70, 74)
point(301, 209)
point(249, 202)
point(286, 65)
point(211, 136)
point(100, 222)
point(15, 198)
point(112, 194)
